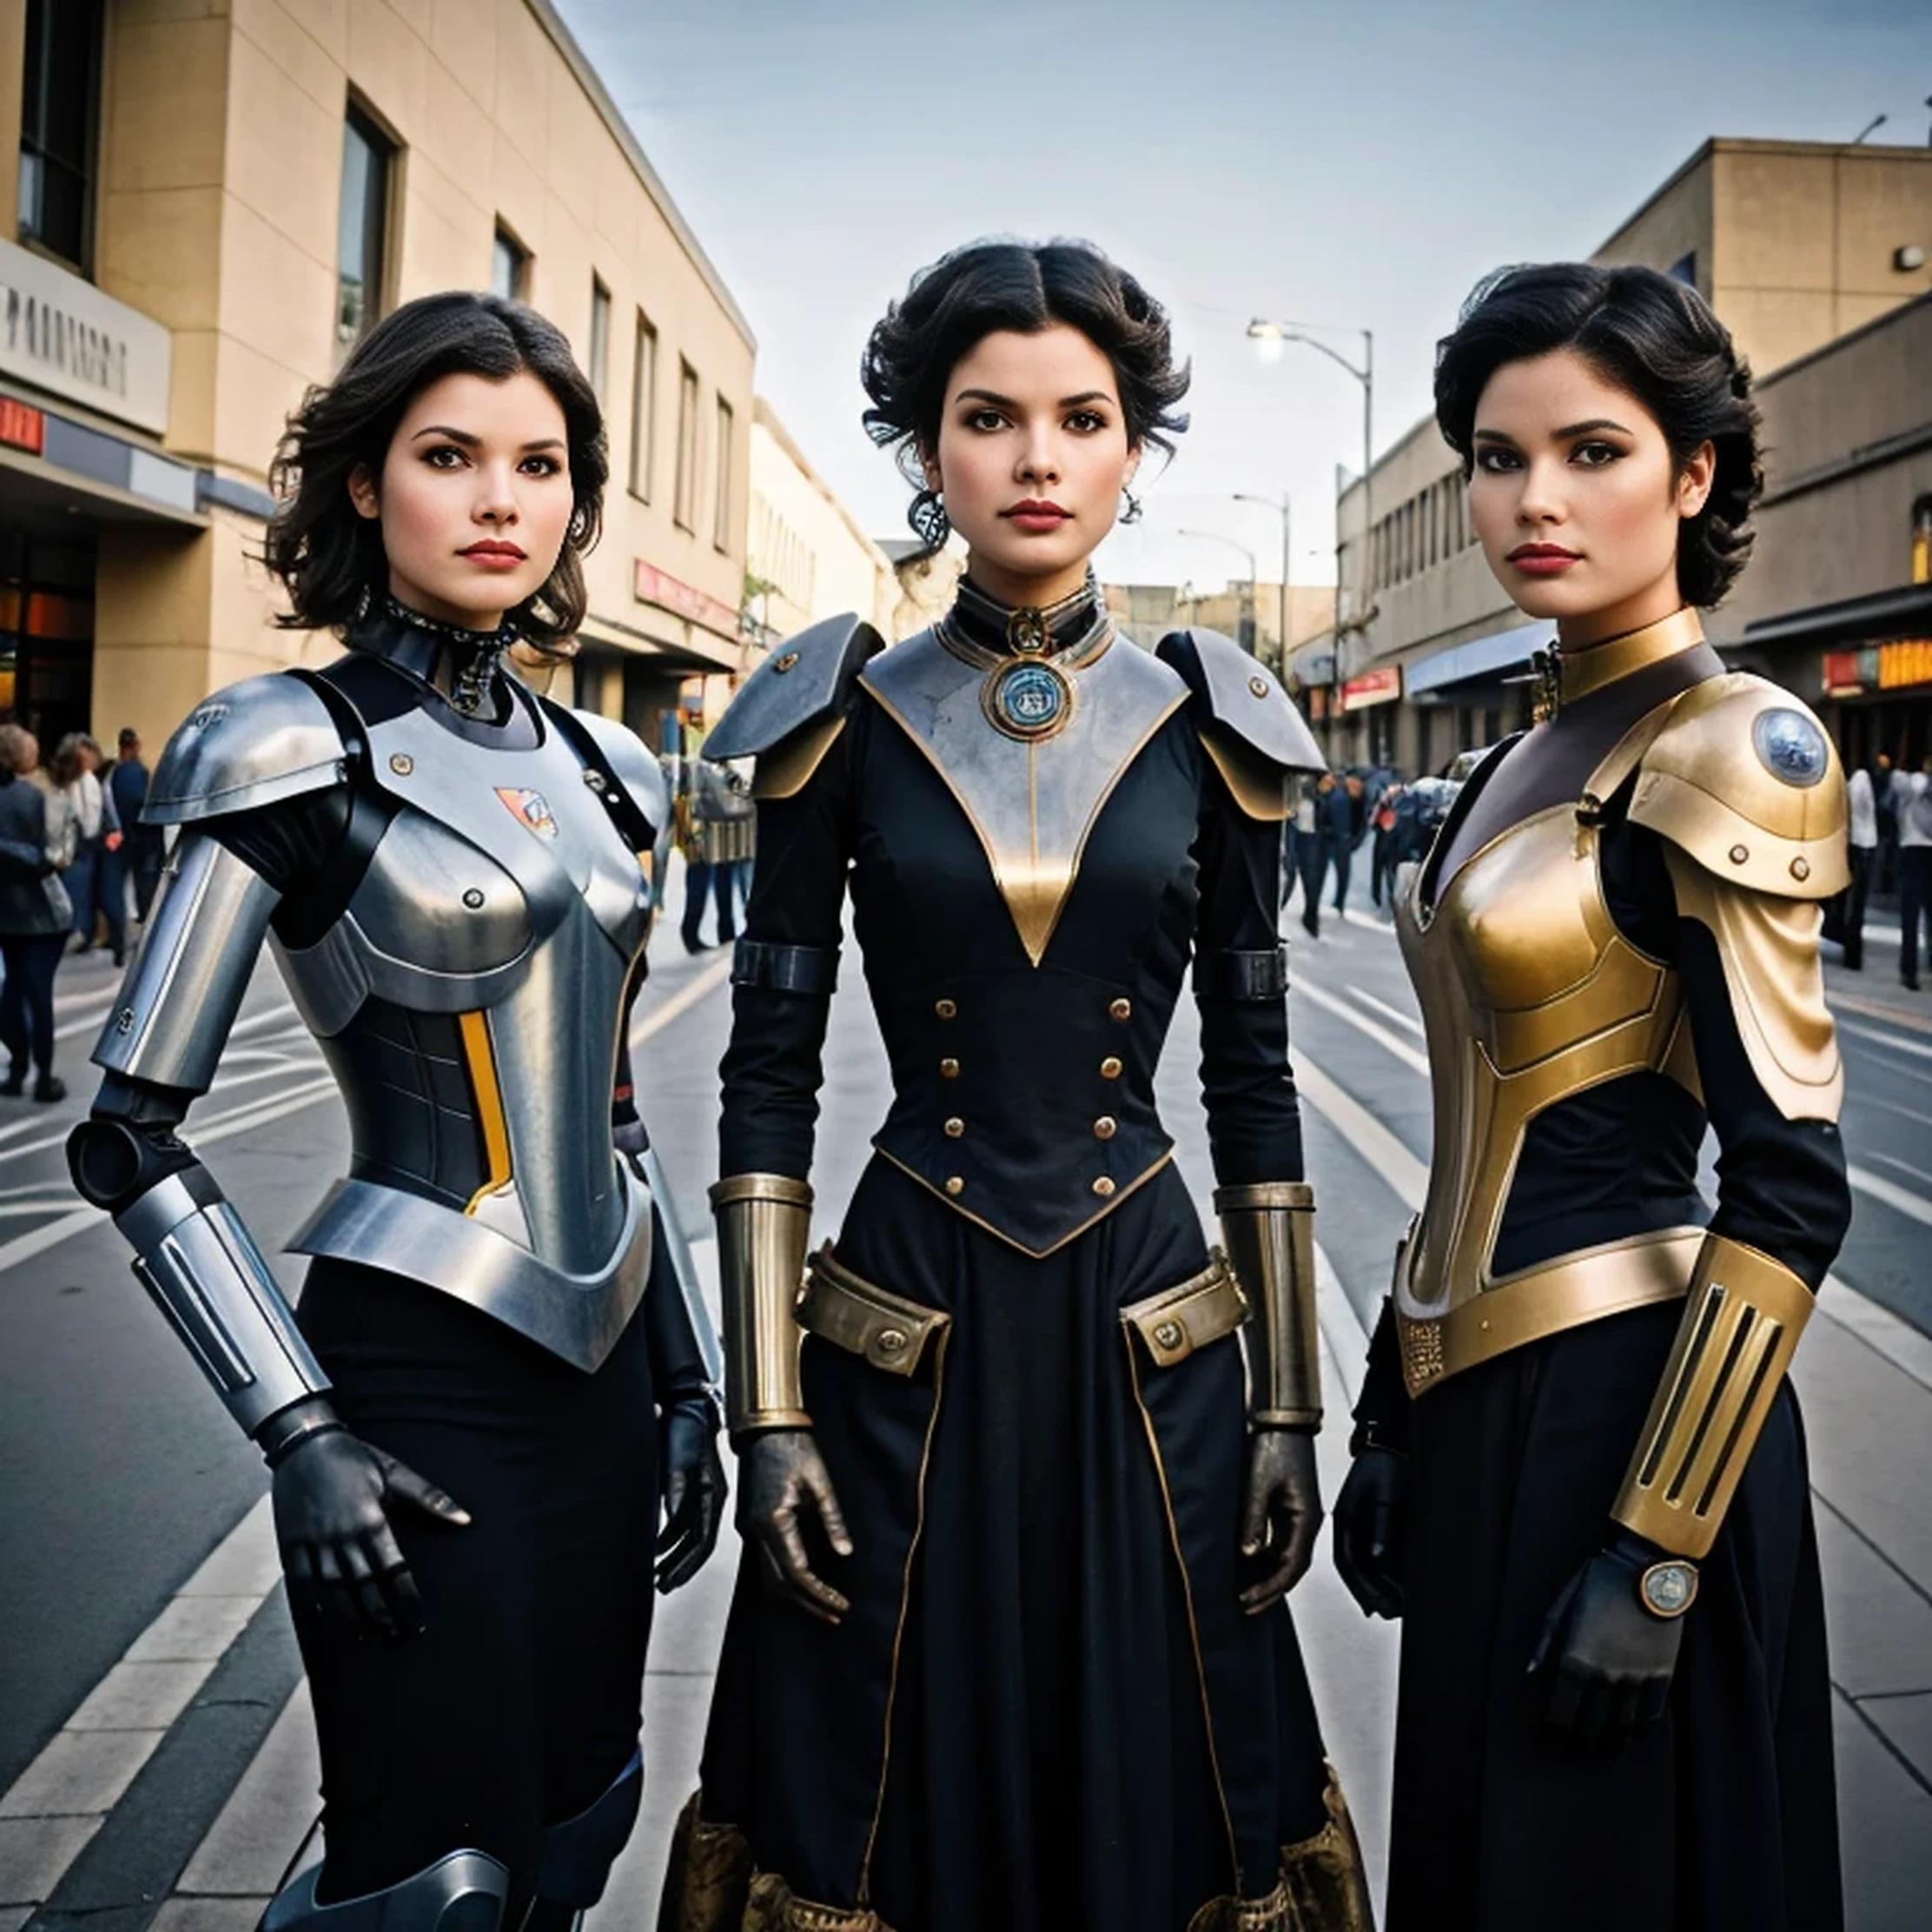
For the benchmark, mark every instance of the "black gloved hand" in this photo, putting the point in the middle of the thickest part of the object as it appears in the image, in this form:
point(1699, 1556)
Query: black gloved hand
point(1371, 1519)
point(1282, 1512)
point(1609, 1659)
point(333, 1495)
point(691, 1477)
point(782, 1470)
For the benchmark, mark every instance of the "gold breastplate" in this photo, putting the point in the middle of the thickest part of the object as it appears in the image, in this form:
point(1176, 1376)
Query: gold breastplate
point(1528, 994)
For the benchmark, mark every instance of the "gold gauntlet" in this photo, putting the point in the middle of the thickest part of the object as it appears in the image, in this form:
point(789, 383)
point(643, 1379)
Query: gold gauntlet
point(1269, 1231)
point(764, 1226)
point(1741, 1320)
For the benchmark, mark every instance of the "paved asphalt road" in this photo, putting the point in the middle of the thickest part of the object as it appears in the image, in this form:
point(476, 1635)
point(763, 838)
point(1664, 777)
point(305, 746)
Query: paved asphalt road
point(137, 1686)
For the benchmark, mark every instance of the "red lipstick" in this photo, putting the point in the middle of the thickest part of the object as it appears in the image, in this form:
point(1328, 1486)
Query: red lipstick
point(1036, 515)
point(1543, 560)
point(493, 554)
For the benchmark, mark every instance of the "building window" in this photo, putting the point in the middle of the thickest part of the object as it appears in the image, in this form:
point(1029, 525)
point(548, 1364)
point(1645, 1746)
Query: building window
point(59, 123)
point(721, 506)
point(599, 371)
point(362, 229)
point(509, 267)
point(643, 409)
point(684, 493)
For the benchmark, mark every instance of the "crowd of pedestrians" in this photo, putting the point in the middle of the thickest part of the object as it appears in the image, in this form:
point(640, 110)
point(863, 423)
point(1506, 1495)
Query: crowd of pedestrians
point(1890, 852)
point(71, 846)
point(1335, 815)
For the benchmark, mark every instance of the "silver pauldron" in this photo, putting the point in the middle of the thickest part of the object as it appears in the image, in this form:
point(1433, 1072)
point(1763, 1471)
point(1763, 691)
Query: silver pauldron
point(195, 1257)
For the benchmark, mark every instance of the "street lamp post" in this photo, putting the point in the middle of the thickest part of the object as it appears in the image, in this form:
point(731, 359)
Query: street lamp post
point(1254, 569)
point(1271, 335)
point(1285, 508)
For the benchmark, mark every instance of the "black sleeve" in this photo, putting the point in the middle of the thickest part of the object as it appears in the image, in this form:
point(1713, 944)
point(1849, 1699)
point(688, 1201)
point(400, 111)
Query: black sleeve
point(1781, 1183)
point(287, 843)
point(1383, 1402)
point(1254, 1118)
point(782, 986)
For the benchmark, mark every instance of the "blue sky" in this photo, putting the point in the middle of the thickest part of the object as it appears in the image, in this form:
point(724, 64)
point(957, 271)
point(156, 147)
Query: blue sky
point(1362, 164)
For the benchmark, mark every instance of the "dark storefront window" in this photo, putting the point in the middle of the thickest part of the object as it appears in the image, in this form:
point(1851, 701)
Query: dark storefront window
point(361, 238)
point(46, 636)
point(59, 118)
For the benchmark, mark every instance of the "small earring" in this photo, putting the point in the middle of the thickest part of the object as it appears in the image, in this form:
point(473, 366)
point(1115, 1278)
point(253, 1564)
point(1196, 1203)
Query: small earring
point(1130, 511)
point(930, 524)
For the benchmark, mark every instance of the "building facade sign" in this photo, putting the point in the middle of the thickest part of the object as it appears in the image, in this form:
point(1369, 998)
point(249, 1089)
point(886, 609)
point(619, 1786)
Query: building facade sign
point(1382, 685)
point(1895, 667)
point(60, 334)
point(21, 427)
point(656, 586)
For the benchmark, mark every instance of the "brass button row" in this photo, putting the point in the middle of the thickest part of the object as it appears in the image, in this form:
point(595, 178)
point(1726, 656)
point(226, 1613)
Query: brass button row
point(955, 1127)
point(1103, 1187)
point(946, 1009)
point(948, 1069)
point(1106, 1128)
point(1121, 1009)
point(1110, 1069)
point(954, 1184)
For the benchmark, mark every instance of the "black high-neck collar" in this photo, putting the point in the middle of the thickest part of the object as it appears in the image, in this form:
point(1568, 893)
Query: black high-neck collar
point(1073, 627)
point(419, 644)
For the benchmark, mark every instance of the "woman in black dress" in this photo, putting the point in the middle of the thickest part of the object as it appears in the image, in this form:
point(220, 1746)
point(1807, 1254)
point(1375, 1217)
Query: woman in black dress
point(1580, 1474)
point(1008, 1648)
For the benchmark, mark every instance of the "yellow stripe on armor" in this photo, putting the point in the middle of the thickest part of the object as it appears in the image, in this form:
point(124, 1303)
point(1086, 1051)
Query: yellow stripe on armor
point(480, 1059)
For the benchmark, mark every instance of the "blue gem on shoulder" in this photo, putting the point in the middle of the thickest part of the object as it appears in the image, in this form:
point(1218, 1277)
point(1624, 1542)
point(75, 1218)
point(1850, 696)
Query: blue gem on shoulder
point(1790, 747)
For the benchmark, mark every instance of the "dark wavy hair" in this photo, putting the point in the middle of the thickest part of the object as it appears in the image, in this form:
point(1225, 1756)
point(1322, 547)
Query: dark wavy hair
point(1653, 337)
point(329, 557)
point(1026, 287)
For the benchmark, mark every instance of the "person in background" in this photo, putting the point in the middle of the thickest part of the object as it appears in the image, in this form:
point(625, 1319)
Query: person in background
point(139, 855)
point(1862, 850)
point(1382, 854)
point(1912, 793)
point(1885, 798)
point(35, 915)
point(99, 841)
point(1341, 812)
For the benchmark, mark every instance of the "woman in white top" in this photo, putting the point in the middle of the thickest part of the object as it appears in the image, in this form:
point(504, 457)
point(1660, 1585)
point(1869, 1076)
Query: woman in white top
point(1862, 837)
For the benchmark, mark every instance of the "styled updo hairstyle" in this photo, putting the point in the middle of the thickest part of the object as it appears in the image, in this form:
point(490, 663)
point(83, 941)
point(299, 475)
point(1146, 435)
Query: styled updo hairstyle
point(1650, 335)
point(1025, 286)
point(329, 557)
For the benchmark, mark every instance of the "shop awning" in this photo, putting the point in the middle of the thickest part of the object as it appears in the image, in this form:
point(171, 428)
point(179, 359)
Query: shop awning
point(1905, 611)
point(1489, 657)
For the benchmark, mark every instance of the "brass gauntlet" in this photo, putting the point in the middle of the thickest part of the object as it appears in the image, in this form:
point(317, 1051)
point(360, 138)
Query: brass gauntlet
point(1269, 1231)
point(764, 1226)
point(1741, 1320)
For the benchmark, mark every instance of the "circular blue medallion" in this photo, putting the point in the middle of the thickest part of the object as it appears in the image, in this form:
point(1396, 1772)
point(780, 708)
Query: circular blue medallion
point(1792, 747)
point(1029, 700)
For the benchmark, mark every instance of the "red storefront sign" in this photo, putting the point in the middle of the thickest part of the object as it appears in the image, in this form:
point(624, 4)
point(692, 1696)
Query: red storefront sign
point(1373, 687)
point(21, 427)
point(1893, 666)
point(656, 586)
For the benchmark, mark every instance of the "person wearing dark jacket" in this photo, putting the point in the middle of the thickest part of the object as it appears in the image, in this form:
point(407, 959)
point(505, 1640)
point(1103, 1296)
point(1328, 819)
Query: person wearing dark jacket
point(35, 914)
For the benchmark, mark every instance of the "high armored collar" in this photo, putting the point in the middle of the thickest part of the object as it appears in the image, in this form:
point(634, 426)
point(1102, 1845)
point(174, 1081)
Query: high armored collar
point(417, 645)
point(985, 631)
point(1566, 676)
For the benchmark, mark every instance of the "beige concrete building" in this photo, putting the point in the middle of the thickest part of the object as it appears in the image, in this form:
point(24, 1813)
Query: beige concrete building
point(215, 198)
point(1249, 613)
point(806, 557)
point(1793, 243)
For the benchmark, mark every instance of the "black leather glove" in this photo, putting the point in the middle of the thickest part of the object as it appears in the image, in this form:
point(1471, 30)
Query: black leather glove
point(1282, 1512)
point(1609, 1659)
point(1370, 1523)
point(333, 1495)
point(780, 1470)
point(691, 1477)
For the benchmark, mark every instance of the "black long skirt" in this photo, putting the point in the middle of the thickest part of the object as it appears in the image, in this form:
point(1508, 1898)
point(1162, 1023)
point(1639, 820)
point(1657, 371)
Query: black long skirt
point(1722, 1816)
point(1046, 1708)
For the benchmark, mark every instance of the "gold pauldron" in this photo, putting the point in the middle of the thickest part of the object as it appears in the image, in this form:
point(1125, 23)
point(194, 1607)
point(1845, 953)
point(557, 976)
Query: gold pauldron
point(1269, 1232)
point(1741, 1325)
point(763, 1225)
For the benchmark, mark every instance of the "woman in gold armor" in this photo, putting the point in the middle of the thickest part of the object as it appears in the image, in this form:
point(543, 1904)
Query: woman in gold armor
point(1579, 1473)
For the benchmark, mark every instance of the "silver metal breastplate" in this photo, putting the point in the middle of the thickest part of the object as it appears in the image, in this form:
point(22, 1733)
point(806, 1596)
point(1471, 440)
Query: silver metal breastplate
point(500, 895)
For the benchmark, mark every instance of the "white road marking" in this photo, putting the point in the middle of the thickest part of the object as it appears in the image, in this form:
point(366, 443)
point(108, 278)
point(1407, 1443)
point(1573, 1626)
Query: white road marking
point(1370, 921)
point(1896, 1042)
point(56, 1804)
point(1890, 1192)
point(1416, 1062)
point(1406, 1176)
point(1406, 1022)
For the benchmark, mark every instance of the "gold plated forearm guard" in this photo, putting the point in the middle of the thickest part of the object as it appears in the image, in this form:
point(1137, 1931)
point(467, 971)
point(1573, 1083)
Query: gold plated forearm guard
point(1268, 1229)
point(1741, 1320)
point(764, 1227)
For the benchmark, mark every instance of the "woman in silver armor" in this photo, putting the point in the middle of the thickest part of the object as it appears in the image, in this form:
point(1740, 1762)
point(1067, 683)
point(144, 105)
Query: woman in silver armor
point(494, 1381)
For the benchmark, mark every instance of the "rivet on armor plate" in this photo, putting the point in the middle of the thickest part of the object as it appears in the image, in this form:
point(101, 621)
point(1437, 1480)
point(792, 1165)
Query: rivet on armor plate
point(1168, 1335)
point(948, 1069)
point(1258, 686)
point(1106, 1128)
point(473, 898)
point(123, 1020)
point(401, 764)
point(946, 1009)
point(1739, 854)
point(1103, 1187)
point(784, 662)
point(891, 1341)
point(954, 1184)
point(1801, 869)
point(1110, 1069)
point(1121, 1009)
point(955, 1127)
